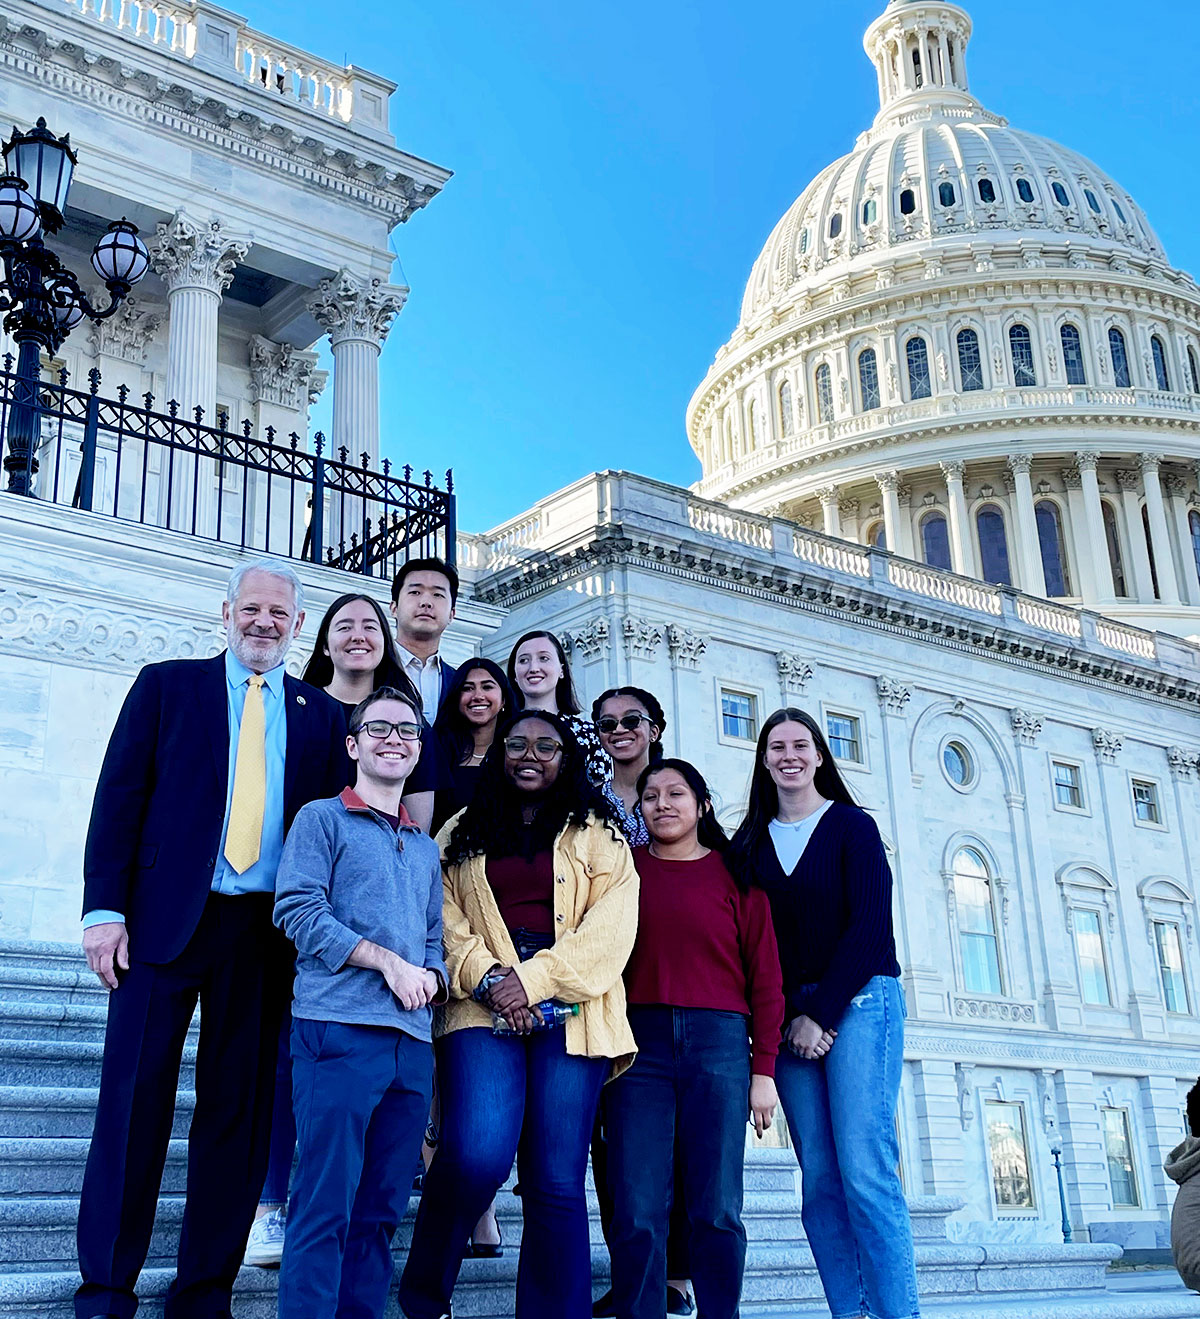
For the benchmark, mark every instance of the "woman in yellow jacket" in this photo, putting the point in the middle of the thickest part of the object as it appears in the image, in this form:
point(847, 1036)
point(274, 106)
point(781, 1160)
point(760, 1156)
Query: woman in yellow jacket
point(539, 920)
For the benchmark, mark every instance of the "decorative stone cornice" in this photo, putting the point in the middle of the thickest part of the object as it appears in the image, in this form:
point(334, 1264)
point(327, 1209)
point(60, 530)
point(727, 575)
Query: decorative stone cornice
point(191, 255)
point(126, 334)
point(686, 647)
point(642, 637)
point(349, 307)
point(281, 374)
point(1026, 726)
point(591, 640)
point(988, 1009)
point(1182, 763)
point(1107, 745)
point(794, 671)
point(893, 695)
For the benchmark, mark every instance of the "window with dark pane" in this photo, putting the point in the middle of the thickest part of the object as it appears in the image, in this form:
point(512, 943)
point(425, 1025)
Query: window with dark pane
point(1072, 346)
point(835, 224)
point(1020, 343)
point(824, 393)
point(908, 202)
point(1193, 369)
point(870, 211)
point(946, 194)
point(1113, 539)
point(845, 739)
point(1060, 194)
point(1119, 211)
point(1092, 200)
point(787, 421)
point(916, 351)
point(1150, 551)
point(935, 541)
point(1050, 539)
point(1120, 359)
point(970, 363)
point(987, 191)
point(1194, 533)
point(1162, 377)
point(868, 379)
point(993, 546)
point(1025, 190)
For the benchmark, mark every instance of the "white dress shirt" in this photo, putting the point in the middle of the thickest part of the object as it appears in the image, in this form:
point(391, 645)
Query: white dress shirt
point(427, 678)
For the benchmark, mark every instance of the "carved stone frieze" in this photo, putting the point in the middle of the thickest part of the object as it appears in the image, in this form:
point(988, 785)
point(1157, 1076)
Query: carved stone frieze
point(686, 647)
point(349, 307)
point(591, 640)
point(191, 255)
point(986, 1009)
point(642, 637)
point(1026, 726)
point(280, 373)
point(127, 333)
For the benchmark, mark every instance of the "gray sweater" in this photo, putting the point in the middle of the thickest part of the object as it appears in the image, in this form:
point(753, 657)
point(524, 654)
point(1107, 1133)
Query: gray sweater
point(345, 875)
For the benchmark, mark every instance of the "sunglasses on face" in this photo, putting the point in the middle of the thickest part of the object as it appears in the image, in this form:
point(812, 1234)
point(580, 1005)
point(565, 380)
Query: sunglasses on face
point(630, 722)
point(544, 748)
point(380, 729)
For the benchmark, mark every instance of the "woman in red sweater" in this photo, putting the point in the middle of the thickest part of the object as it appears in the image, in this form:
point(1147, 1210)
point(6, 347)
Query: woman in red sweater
point(705, 999)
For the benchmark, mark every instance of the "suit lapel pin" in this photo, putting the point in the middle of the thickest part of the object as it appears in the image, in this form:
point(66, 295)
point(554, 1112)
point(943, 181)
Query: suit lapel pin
point(301, 701)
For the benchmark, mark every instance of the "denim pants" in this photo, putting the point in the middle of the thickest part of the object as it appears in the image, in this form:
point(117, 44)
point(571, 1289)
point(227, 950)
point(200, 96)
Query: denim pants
point(841, 1113)
point(283, 1124)
point(689, 1090)
point(506, 1096)
point(361, 1096)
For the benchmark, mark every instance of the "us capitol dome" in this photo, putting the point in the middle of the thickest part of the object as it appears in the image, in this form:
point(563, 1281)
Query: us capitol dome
point(966, 343)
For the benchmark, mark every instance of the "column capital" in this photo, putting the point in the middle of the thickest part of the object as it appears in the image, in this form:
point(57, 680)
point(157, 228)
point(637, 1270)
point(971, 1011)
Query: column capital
point(127, 333)
point(827, 494)
point(1129, 478)
point(1182, 763)
point(191, 255)
point(1020, 462)
point(1107, 745)
point(1072, 478)
point(888, 481)
point(686, 647)
point(1149, 462)
point(1086, 460)
point(1175, 485)
point(280, 373)
point(1026, 726)
point(794, 671)
point(849, 506)
point(954, 469)
point(893, 695)
point(347, 306)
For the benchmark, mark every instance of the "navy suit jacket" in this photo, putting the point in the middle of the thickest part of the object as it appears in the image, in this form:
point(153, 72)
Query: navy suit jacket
point(160, 802)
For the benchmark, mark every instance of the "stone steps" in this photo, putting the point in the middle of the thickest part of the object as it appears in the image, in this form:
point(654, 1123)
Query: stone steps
point(48, 1111)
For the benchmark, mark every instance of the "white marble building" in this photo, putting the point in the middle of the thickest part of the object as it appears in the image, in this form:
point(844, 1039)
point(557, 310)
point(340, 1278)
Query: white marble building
point(1033, 762)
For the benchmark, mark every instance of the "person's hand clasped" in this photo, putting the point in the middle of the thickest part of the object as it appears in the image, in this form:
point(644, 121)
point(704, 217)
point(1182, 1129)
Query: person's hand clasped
point(106, 947)
point(805, 1038)
point(764, 1099)
point(413, 986)
point(508, 998)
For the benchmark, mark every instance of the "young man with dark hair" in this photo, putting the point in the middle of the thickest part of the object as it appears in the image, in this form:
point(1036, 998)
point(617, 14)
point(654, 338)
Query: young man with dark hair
point(1183, 1166)
point(424, 596)
point(359, 893)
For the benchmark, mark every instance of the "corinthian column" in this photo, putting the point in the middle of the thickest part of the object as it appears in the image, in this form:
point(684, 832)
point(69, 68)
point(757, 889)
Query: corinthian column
point(828, 495)
point(962, 551)
point(196, 262)
point(1033, 576)
point(1093, 512)
point(357, 315)
point(1164, 555)
point(889, 488)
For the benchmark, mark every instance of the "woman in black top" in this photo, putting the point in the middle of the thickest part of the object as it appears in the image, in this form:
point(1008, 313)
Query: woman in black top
point(477, 701)
point(821, 861)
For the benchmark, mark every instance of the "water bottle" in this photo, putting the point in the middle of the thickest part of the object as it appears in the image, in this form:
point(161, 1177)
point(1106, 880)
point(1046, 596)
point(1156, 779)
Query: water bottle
point(553, 1016)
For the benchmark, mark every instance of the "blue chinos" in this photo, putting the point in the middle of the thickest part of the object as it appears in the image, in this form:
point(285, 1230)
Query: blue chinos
point(361, 1096)
point(688, 1090)
point(841, 1112)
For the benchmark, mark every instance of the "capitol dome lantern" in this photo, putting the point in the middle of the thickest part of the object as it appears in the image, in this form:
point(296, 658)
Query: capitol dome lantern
point(965, 342)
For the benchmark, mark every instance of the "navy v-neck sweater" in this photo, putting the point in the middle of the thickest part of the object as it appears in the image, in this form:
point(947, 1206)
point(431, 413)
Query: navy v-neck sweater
point(832, 914)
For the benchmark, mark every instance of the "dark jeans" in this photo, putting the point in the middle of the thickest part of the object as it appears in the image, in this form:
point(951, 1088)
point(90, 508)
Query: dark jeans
point(235, 965)
point(283, 1123)
point(362, 1098)
point(504, 1096)
point(688, 1089)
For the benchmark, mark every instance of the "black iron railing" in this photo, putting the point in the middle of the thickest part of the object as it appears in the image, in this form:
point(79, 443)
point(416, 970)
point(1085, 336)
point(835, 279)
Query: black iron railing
point(267, 493)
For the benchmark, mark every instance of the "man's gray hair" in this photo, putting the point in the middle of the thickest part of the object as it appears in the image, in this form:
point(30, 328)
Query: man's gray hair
point(274, 568)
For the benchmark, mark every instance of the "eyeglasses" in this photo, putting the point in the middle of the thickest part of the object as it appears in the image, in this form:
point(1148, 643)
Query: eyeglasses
point(610, 723)
point(544, 748)
point(380, 729)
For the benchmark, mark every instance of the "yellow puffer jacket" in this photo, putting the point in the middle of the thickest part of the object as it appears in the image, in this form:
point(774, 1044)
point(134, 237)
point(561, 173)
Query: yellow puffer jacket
point(595, 914)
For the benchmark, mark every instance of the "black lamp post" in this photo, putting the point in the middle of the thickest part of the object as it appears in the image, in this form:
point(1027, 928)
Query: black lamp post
point(1056, 1150)
point(41, 299)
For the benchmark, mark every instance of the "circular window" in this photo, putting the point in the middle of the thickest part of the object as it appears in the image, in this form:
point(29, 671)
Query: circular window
point(958, 764)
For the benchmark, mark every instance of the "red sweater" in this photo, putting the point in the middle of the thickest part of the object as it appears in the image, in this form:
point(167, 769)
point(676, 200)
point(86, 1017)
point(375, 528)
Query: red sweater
point(703, 943)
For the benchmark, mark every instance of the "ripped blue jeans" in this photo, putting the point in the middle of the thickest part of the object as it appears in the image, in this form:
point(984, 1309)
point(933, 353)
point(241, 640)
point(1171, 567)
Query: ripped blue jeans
point(841, 1112)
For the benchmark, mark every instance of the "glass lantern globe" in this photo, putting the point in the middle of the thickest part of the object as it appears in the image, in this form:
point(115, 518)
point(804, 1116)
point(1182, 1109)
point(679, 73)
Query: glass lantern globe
point(67, 314)
point(120, 256)
point(46, 163)
point(19, 216)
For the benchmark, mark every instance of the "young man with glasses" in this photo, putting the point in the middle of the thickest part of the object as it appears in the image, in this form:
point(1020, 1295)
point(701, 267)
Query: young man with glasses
point(359, 893)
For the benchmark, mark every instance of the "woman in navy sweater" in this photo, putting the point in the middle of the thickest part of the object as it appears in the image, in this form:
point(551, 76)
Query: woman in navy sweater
point(706, 1006)
point(820, 860)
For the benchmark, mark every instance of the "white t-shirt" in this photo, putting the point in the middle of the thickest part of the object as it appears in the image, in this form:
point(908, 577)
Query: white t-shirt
point(791, 839)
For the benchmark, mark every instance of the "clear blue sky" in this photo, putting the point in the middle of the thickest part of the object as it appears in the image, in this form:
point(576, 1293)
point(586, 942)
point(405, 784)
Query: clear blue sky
point(618, 167)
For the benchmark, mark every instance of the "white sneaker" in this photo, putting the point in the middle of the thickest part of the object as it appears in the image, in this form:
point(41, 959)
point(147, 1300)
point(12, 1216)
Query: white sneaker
point(264, 1247)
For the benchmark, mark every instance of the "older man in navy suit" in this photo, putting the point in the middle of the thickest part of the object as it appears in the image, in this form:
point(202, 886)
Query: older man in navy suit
point(207, 766)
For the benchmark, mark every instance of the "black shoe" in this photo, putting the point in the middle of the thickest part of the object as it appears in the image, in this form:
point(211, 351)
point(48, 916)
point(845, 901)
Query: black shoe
point(679, 1302)
point(486, 1249)
point(603, 1308)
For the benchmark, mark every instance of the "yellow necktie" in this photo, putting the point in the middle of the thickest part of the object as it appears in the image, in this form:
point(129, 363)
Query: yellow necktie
point(243, 841)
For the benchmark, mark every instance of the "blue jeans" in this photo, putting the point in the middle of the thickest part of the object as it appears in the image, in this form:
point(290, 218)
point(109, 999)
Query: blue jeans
point(841, 1112)
point(498, 1093)
point(688, 1090)
point(362, 1096)
point(283, 1123)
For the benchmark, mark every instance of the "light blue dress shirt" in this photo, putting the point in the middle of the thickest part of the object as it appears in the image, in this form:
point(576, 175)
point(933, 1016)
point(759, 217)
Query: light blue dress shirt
point(260, 877)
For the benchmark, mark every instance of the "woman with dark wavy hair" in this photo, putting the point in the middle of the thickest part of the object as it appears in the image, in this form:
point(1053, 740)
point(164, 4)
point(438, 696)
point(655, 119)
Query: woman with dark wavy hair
point(541, 680)
point(477, 701)
point(539, 919)
point(629, 722)
point(820, 860)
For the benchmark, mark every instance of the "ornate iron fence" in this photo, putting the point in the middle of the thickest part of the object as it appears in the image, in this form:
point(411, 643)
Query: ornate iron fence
point(123, 458)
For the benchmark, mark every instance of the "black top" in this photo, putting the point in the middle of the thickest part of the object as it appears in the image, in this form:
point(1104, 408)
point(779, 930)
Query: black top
point(832, 914)
point(457, 793)
point(430, 773)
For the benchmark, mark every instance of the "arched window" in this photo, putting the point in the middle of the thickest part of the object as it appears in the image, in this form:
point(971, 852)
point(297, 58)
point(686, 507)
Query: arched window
point(1162, 376)
point(1072, 346)
point(993, 546)
point(935, 541)
point(970, 364)
point(1119, 211)
point(1150, 551)
point(1120, 359)
point(787, 422)
point(1025, 190)
point(1060, 194)
point(824, 393)
point(804, 242)
point(1193, 369)
point(908, 202)
point(987, 191)
point(919, 383)
point(1194, 530)
point(1112, 538)
point(877, 535)
point(977, 941)
point(835, 224)
point(1050, 538)
point(868, 379)
point(946, 194)
point(1092, 200)
point(870, 211)
point(1020, 343)
point(918, 75)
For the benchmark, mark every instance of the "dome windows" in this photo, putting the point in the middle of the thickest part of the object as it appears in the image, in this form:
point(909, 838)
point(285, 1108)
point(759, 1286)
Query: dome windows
point(868, 380)
point(993, 546)
point(1112, 538)
point(1120, 359)
point(987, 191)
point(787, 419)
point(1025, 190)
point(946, 194)
point(970, 364)
point(1194, 533)
point(908, 202)
point(916, 352)
point(835, 224)
point(1193, 369)
point(1119, 211)
point(935, 541)
point(870, 211)
point(877, 535)
point(1060, 194)
point(1050, 541)
point(1092, 200)
point(824, 393)
point(1020, 343)
point(1162, 377)
point(804, 242)
point(1072, 346)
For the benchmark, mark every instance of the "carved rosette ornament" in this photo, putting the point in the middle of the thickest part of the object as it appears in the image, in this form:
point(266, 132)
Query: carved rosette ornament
point(1107, 745)
point(686, 647)
point(590, 641)
point(280, 373)
point(893, 695)
point(642, 637)
point(348, 307)
point(190, 255)
point(1026, 727)
point(794, 672)
point(127, 334)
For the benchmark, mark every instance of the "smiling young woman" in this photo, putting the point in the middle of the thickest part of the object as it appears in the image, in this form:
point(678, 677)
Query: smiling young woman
point(478, 699)
point(541, 680)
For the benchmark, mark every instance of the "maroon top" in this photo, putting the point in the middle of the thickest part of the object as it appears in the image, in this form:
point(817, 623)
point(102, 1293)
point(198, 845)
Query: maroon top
point(703, 943)
point(524, 891)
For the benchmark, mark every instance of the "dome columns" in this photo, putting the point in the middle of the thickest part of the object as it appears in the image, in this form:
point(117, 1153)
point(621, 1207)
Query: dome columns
point(1032, 572)
point(1177, 491)
point(830, 510)
point(1164, 556)
point(962, 547)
